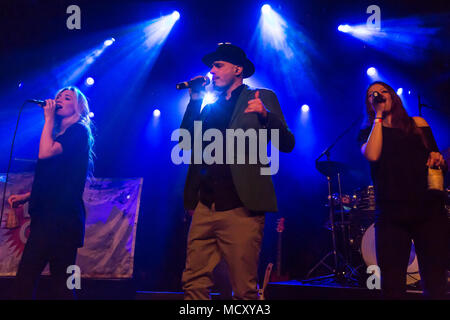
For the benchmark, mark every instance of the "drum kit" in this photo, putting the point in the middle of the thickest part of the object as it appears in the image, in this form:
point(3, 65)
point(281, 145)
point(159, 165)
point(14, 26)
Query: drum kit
point(352, 225)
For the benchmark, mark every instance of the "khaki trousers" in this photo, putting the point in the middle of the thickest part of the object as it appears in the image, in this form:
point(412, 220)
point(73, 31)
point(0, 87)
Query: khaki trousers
point(236, 235)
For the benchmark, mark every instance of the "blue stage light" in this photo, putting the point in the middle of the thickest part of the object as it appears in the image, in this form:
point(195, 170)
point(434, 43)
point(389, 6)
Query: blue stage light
point(91, 114)
point(371, 71)
point(266, 9)
point(400, 91)
point(208, 99)
point(89, 81)
point(406, 38)
point(175, 15)
point(109, 42)
point(344, 28)
point(156, 113)
point(158, 29)
point(305, 108)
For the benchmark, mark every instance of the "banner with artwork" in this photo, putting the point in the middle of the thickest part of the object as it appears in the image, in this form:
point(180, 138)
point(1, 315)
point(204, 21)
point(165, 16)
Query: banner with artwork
point(112, 208)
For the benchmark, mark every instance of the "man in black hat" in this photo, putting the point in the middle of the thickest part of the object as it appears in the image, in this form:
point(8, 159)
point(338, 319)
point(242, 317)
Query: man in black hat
point(230, 200)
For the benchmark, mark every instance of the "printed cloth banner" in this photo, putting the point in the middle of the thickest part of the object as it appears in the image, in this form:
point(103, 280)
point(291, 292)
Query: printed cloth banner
point(112, 207)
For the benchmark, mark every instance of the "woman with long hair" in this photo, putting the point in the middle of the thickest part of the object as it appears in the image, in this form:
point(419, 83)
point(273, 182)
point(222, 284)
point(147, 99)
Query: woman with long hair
point(56, 205)
point(400, 150)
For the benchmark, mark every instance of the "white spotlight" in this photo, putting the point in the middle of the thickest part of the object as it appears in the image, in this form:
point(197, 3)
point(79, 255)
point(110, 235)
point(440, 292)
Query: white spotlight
point(156, 113)
point(344, 28)
point(400, 91)
point(305, 108)
point(371, 71)
point(176, 15)
point(266, 9)
point(109, 42)
point(89, 81)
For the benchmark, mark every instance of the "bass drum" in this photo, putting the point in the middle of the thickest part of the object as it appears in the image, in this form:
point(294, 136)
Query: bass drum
point(368, 251)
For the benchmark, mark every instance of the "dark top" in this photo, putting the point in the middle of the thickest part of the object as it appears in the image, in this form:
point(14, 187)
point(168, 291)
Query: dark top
point(216, 184)
point(255, 190)
point(400, 175)
point(56, 203)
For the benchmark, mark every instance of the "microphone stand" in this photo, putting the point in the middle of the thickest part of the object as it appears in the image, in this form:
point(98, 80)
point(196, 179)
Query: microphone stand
point(423, 105)
point(9, 162)
point(338, 273)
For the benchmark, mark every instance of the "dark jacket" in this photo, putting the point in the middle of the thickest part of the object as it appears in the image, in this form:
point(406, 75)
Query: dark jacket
point(256, 191)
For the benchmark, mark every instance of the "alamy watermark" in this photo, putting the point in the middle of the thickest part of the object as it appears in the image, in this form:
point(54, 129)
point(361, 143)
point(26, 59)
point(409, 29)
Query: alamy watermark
point(74, 20)
point(374, 280)
point(374, 20)
point(74, 280)
point(236, 143)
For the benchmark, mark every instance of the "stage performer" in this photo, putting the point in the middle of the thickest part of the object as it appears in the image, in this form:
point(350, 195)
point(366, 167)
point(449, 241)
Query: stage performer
point(230, 200)
point(400, 149)
point(56, 206)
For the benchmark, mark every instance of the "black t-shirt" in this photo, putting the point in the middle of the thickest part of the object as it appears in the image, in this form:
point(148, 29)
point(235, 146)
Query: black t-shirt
point(400, 174)
point(216, 184)
point(56, 202)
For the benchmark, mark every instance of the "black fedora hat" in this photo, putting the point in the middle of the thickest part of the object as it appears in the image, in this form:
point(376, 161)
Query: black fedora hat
point(232, 54)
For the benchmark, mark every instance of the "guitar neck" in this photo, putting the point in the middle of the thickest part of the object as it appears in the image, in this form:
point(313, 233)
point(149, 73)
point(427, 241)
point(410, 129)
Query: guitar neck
point(279, 254)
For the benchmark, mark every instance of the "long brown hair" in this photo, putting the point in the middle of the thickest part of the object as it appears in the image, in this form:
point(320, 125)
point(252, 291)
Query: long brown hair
point(400, 118)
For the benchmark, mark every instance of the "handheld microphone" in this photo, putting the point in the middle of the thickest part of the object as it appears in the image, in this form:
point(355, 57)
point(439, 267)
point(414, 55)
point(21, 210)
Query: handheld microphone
point(38, 102)
point(42, 103)
point(377, 97)
point(193, 83)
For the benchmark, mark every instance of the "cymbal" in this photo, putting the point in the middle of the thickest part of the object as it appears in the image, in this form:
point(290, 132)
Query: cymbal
point(331, 168)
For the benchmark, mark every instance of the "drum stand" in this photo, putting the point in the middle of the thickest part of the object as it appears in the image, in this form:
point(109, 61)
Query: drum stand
point(341, 270)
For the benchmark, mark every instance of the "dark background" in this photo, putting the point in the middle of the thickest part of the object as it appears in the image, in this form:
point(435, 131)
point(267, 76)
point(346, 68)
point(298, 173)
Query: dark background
point(129, 143)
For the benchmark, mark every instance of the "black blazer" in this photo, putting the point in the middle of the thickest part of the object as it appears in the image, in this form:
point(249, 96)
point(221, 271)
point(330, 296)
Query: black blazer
point(255, 190)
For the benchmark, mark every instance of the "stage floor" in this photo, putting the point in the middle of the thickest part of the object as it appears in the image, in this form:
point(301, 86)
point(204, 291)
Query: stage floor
point(321, 289)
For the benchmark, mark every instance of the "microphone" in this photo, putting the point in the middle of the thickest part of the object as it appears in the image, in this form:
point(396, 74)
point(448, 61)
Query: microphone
point(377, 97)
point(39, 102)
point(42, 103)
point(193, 83)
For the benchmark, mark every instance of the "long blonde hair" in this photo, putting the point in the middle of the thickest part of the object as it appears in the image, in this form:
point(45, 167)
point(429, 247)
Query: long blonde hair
point(82, 108)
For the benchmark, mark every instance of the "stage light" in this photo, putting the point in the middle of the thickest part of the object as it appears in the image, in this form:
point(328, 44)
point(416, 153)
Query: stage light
point(371, 71)
point(157, 31)
point(156, 113)
point(305, 108)
point(281, 39)
point(109, 42)
point(266, 9)
point(91, 115)
point(274, 31)
point(400, 91)
point(89, 81)
point(406, 38)
point(175, 15)
point(208, 99)
point(344, 28)
point(409, 92)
